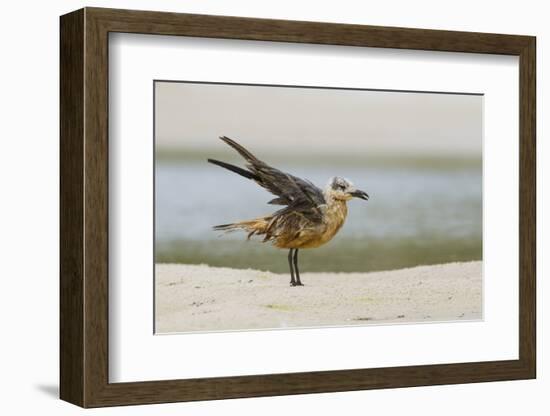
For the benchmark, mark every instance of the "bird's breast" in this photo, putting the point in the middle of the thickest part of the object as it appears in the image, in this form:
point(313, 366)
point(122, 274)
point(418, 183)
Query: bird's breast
point(334, 216)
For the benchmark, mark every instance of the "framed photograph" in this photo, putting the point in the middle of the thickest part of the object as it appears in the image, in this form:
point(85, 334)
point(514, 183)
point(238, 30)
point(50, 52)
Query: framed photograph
point(254, 207)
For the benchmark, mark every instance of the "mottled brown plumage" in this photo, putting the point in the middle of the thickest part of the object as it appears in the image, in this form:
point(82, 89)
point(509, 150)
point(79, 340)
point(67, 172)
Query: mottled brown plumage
point(310, 218)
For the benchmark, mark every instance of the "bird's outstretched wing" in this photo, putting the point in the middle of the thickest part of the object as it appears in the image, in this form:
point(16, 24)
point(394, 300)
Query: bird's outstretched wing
point(296, 193)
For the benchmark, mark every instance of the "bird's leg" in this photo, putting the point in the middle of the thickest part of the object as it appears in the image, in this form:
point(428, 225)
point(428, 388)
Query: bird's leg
point(295, 261)
point(292, 281)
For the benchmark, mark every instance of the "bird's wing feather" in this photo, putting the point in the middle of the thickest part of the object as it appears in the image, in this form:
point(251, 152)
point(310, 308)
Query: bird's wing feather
point(296, 193)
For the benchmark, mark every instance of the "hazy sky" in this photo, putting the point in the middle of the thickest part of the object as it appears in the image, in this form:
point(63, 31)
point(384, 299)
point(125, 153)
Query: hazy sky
point(317, 120)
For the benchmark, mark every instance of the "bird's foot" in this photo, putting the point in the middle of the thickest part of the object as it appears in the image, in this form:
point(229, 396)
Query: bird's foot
point(296, 284)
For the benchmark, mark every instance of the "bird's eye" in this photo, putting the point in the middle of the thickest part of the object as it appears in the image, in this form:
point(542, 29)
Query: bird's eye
point(342, 187)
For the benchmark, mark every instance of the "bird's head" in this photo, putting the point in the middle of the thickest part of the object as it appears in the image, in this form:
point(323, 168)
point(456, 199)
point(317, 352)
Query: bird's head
point(342, 189)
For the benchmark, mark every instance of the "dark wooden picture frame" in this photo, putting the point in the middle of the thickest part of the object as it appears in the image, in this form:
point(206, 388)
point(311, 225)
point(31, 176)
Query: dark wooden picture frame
point(84, 207)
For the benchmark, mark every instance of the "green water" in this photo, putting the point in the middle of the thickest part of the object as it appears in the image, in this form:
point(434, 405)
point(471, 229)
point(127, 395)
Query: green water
point(340, 255)
point(421, 211)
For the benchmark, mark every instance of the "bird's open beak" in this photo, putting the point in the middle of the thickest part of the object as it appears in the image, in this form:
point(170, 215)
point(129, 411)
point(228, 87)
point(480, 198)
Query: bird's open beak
point(360, 194)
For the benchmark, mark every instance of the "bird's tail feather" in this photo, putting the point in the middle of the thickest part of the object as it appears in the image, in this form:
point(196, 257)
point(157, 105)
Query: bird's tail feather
point(257, 226)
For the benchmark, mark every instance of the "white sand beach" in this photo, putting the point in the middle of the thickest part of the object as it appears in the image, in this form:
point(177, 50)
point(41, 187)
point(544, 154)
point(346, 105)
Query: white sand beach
point(203, 298)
